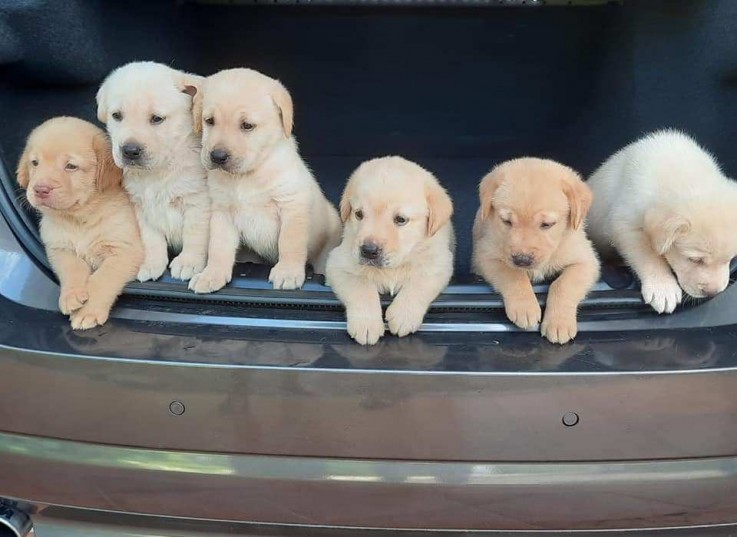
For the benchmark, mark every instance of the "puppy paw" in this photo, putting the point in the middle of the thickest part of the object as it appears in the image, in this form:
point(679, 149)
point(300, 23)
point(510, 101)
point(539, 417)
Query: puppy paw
point(559, 328)
point(404, 319)
point(366, 330)
point(152, 270)
point(524, 312)
point(287, 276)
point(186, 265)
point(209, 281)
point(89, 316)
point(663, 294)
point(71, 300)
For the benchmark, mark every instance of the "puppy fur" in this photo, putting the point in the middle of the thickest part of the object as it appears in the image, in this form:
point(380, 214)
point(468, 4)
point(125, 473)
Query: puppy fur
point(663, 205)
point(262, 192)
point(398, 239)
point(87, 221)
point(529, 228)
point(147, 108)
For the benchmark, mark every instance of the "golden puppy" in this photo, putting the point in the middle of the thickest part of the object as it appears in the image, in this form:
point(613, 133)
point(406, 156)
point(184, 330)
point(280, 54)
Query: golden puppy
point(663, 204)
point(262, 192)
point(530, 227)
point(87, 222)
point(398, 239)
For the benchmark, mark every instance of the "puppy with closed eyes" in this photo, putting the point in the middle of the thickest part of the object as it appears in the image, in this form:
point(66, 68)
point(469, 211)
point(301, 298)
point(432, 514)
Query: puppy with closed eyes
point(262, 192)
point(87, 222)
point(147, 108)
point(529, 228)
point(398, 239)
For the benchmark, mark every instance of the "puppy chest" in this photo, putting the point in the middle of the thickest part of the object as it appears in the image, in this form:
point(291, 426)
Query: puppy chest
point(166, 216)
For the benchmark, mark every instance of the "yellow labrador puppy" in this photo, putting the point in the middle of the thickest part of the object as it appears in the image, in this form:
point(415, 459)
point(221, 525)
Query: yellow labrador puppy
point(398, 239)
point(663, 204)
point(262, 192)
point(87, 221)
point(147, 108)
point(529, 228)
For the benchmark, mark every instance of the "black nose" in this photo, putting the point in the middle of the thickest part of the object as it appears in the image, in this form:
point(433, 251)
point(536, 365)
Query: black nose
point(522, 260)
point(370, 250)
point(219, 156)
point(132, 151)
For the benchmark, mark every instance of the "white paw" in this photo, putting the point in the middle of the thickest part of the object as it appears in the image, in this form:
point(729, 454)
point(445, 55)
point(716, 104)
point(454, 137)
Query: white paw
point(89, 316)
point(524, 312)
point(71, 300)
point(287, 276)
point(152, 269)
point(209, 281)
point(186, 265)
point(404, 319)
point(663, 294)
point(366, 330)
point(559, 328)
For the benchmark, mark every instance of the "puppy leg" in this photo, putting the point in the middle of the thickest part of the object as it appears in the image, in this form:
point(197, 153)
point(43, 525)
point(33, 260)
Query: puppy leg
point(195, 236)
point(660, 287)
point(104, 287)
point(362, 307)
point(155, 251)
point(289, 271)
point(224, 240)
point(520, 302)
point(73, 273)
point(405, 314)
point(566, 293)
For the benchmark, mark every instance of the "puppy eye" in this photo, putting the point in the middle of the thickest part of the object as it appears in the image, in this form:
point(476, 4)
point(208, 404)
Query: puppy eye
point(155, 120)
point(247, 126)
point(117, 116)
point(359, 214)
point(71, 167)
point(400, 220)
point(507, 223)
point(210, 121)
point(547, 225)
point(34, 163)
point(696, 260)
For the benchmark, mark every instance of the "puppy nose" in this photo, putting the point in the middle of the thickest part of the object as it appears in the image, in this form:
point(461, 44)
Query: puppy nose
point(370, 250)
point(131, 151)
point(522, 260)
point(219, 156)
point(42, 191)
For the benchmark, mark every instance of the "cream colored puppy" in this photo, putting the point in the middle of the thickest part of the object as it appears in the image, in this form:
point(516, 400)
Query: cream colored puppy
point(663, 205)
point(147, 108)
point(87, 221)
point(398, 239)
point(262, 192)
point(530, 228)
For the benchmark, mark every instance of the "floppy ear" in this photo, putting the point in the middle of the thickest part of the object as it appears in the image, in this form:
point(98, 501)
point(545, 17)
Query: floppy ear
point(579, 197)
point(345, 201)
point(108, 174)
point(663, 227)
point(283, 101)
point(440, 205)
point(487, 189)
point(101, 99)
point(22, 173)
point(192, 86)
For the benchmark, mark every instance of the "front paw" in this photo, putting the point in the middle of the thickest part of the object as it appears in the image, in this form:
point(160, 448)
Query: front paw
point(89, 316)
point(285, 276)
point(186, 265)
point(209, 281)
point(152, 269)
point(366, 329)
point(559, 327)
point(525, 312)
point(403, 318)
point(71, 300)
point(663, 294)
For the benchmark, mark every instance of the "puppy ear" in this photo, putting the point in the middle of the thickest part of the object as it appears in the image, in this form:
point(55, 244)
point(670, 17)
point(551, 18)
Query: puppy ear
point(579, 197)
point(192, 86)
point(283, 101)
point(345, 201)
point(487, 188)
point(101, 99)
point(108, 174)
point(663, 227)
point(440, 205)
point(22, 172)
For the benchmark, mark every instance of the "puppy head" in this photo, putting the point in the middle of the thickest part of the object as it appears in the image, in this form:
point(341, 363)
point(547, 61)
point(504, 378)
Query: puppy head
point(66, 161)
point(530, 205)
point(390, 207)
point(243, 116)
point(147, 108)
point(697, 241)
